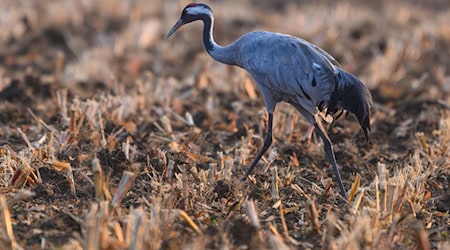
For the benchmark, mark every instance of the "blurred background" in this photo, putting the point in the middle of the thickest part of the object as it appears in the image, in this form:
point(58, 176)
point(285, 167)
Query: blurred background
point(397, 47)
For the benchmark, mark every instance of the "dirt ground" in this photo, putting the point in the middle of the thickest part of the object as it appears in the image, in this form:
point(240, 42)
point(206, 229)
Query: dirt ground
point(113, 138)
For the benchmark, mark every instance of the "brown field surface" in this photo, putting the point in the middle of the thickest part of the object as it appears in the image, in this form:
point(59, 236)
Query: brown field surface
point(113, 138)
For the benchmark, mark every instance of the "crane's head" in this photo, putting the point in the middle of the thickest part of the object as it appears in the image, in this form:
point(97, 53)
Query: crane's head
point(192, 12)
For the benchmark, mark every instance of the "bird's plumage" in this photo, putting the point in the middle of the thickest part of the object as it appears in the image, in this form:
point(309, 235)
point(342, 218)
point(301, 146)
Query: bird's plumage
point(292, 69)
point(352, 95)
point(300, 73)
point(288, 69)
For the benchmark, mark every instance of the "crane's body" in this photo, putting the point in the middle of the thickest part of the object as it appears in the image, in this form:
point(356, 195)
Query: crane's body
point(289, 69)
point(278, 74)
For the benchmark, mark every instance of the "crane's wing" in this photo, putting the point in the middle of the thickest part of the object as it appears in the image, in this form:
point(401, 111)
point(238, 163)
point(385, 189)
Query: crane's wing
point(324, 53)
point(292, 69)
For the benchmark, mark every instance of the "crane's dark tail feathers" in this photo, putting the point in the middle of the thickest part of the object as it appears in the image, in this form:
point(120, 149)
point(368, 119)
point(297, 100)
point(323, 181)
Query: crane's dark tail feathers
point(352, 95)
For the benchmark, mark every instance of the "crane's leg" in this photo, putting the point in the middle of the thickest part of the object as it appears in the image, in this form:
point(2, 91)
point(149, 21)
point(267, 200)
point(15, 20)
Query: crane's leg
point(267, 142)
point(330, 153)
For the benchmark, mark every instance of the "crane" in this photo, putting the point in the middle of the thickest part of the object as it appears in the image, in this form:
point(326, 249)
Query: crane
point(288, 69)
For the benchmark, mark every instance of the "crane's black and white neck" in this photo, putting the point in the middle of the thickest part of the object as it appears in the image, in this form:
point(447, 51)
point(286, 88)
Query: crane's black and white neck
point(193, 12)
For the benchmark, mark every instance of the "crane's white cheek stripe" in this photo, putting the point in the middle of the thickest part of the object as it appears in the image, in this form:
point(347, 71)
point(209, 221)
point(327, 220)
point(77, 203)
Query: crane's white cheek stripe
point(198, 10)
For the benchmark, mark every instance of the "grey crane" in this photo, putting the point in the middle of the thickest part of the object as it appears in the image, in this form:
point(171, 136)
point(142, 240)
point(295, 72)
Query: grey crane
point(289, 69)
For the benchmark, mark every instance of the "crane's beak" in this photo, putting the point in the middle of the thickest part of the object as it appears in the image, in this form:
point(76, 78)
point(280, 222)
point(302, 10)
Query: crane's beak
point(174, 28)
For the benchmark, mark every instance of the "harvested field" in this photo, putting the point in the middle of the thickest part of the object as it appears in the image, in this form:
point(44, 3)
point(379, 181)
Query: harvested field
point(113, 138)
